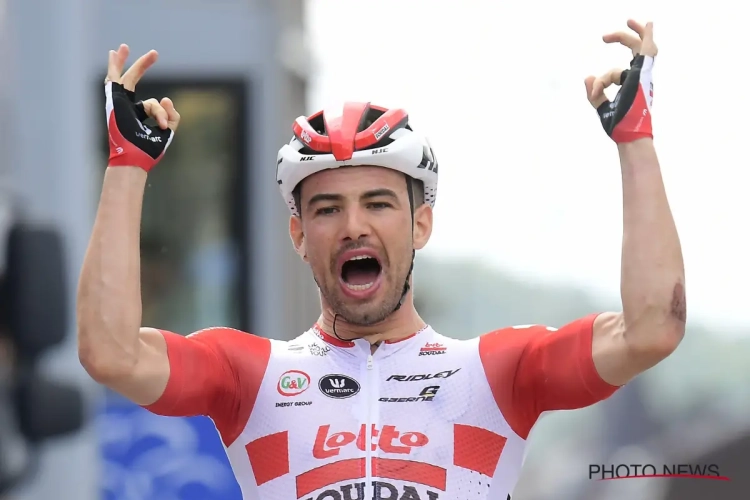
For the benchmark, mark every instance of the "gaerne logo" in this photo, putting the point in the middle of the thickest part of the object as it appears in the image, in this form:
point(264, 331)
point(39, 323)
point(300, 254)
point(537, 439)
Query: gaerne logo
point(427, 394)
point(338, 386)
point(293, 382)
point(432, 349)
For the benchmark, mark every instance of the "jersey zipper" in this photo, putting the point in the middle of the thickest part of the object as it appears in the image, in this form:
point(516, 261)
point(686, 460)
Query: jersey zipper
point(369, 493)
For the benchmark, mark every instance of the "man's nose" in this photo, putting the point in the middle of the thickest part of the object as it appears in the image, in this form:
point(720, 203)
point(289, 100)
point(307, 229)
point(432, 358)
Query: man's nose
point(357, 225)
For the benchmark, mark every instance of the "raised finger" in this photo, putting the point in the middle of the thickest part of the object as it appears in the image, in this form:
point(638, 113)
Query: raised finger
point(131, 77)
point(648, 47)
point(116, 63)
point(173, 117)
point(628, 40)
point(637, 27)
point(157, 112)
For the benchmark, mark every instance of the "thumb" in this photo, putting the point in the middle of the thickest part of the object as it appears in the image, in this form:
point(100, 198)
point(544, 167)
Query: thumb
point(173, 117)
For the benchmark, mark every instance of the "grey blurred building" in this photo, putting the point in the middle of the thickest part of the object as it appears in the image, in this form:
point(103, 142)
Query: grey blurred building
point(237, 71)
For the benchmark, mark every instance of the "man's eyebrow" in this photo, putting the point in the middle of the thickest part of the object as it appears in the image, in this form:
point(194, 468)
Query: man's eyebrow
point(325, 197)
point(377, 193)
point(373, 193)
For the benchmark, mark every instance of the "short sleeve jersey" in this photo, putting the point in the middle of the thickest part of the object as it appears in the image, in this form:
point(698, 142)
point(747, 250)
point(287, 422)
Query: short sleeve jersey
point(426, 417)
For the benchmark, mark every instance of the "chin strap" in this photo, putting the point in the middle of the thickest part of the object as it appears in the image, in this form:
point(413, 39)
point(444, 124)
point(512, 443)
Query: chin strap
point(410, 192)
point(406, 283)
point(334, 329)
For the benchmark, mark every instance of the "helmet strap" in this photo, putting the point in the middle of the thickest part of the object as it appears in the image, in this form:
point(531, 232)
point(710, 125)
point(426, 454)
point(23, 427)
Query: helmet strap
point(410, 192)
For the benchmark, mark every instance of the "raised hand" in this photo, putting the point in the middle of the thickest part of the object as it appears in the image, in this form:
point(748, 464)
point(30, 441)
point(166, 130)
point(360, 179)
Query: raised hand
point(628, 117)
point(131, 142)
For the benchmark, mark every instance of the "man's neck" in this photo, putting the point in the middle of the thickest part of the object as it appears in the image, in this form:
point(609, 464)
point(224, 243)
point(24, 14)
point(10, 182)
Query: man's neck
point(399, 325)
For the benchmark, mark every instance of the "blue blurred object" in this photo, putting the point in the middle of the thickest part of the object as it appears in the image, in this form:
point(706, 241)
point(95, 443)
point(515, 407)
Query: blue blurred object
point(148, 457)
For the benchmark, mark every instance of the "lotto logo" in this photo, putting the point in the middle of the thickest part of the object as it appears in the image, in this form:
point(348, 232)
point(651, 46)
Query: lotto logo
point(388, 440)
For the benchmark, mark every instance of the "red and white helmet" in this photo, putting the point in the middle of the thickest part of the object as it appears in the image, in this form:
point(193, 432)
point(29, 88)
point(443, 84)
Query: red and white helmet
point(359, 134)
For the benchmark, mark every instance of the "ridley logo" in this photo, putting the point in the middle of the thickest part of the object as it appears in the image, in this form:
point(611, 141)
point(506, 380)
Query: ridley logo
point(293, 382)
point(432, 349)
point(415, 378)
point(389, 440)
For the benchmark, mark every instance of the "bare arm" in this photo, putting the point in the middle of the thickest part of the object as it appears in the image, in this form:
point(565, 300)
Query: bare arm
point(652, 322)
point(112, 347)
point(652, 284)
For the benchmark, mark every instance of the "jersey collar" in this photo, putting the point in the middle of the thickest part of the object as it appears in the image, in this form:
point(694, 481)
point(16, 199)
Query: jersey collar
point(330, 339)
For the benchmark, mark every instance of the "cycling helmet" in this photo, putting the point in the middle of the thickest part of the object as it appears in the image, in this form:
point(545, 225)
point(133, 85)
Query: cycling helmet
point(358, 134)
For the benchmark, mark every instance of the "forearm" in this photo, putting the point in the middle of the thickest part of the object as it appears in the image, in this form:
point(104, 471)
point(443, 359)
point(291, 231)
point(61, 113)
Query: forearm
point(653, 276)
point(109, 295)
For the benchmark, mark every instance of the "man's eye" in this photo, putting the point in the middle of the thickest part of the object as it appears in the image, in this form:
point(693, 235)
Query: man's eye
point(325, 211)
point(380, 205)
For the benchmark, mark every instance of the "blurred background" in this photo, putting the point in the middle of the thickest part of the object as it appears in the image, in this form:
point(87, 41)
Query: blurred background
point(528, 222)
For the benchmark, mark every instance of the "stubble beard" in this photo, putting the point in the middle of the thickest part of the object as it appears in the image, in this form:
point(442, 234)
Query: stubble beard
point(366, 313)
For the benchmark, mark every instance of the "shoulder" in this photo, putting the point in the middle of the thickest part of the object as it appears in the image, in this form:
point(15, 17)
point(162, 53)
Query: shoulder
point(222, 336)
point(512, 337)
point(232, 345)
point(519, 331)
point(306, 345)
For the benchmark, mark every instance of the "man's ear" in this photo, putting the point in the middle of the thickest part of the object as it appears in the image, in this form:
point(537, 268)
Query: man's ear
point(297, 236)
point(422, 226)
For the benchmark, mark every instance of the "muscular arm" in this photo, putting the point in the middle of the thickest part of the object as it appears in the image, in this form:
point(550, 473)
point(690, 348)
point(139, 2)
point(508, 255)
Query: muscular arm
point(112, 347)
point(652, 321)
point(215, 372)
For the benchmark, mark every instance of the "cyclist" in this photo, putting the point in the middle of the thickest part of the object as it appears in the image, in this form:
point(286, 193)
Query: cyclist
point(371, 402)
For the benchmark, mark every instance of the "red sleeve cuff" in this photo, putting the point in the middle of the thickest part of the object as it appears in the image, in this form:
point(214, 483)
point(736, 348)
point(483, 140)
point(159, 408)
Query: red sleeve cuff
point(595, 385)
point(172, 395)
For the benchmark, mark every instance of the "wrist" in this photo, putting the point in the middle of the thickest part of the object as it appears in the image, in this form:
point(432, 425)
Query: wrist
point(639, 155)
point(641, 144)
point(130, 176)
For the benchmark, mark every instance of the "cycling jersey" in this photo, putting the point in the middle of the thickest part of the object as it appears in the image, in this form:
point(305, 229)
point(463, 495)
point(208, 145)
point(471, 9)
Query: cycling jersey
point(423, 418)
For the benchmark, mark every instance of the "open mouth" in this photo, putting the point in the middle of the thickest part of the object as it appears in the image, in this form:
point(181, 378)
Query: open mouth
point(360, 272)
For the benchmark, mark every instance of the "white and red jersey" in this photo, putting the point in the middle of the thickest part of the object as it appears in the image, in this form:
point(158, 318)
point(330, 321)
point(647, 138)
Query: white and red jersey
point(424, 418)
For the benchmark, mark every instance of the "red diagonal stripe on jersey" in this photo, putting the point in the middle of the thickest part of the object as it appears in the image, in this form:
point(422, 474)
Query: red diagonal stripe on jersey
point(269, 456)
point(343, 470)
point(477, 449)
point(412, 472)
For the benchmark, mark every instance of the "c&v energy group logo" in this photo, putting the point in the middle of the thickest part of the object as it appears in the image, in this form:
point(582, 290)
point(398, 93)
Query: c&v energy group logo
point(293, 382)
point(604, 472)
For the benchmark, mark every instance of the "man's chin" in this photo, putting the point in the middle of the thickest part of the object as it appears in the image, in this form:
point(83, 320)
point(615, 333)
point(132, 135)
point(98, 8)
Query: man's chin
point(364, 313)
point(360, 318)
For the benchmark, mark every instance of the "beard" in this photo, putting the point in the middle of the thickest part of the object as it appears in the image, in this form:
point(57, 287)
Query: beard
point(372, 311)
